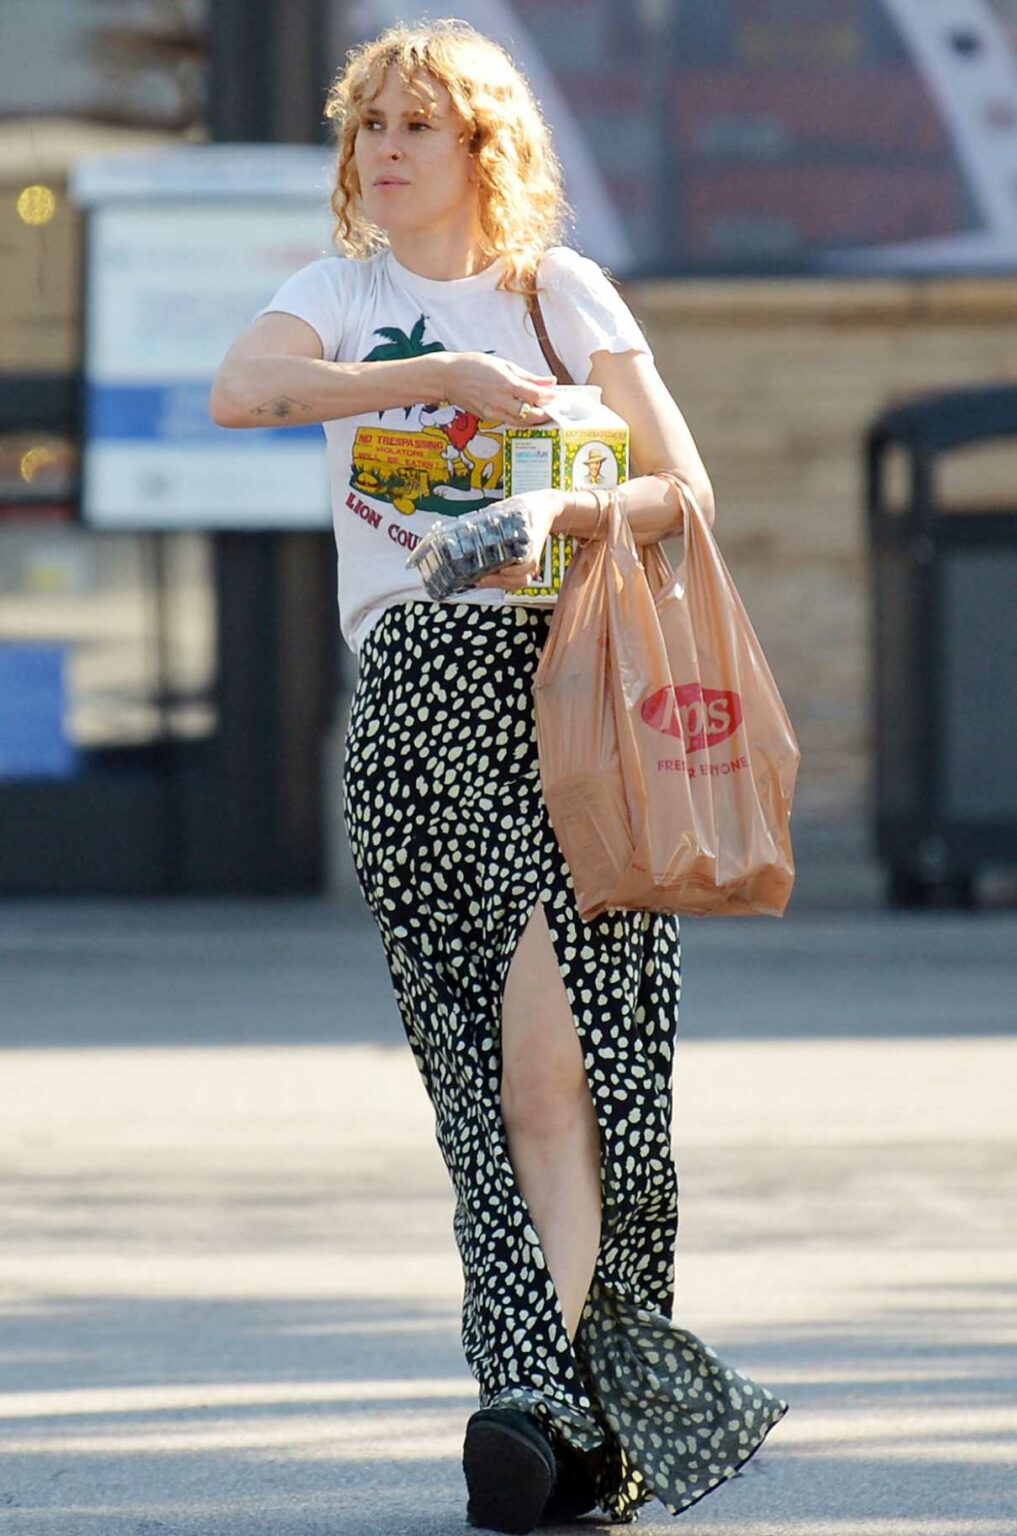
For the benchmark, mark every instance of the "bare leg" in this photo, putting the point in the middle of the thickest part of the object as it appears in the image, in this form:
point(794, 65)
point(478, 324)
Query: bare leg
point(550, 1120)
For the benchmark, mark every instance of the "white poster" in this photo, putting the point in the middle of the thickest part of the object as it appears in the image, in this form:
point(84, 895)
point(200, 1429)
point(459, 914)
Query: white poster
point(172, 279)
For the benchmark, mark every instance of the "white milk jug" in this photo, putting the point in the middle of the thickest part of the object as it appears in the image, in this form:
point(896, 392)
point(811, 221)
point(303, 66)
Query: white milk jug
point(585, 445)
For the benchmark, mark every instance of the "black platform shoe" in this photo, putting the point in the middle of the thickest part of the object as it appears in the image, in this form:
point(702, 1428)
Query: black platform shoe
point(574, 1491)
point(510, 1470)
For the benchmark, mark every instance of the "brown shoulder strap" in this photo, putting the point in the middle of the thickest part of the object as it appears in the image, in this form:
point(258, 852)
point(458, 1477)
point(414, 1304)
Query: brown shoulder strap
point(554, 362)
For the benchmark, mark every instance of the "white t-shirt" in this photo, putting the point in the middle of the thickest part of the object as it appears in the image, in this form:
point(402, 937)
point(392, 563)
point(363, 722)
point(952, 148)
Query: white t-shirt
point(376, 309)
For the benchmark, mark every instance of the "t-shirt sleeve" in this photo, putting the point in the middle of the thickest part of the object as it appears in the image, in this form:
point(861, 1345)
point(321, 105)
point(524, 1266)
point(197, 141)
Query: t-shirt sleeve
point(584, 312)
point(314, 293)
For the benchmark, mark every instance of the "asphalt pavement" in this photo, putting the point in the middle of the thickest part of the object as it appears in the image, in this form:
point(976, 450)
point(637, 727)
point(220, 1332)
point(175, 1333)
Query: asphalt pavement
point(229, 1291)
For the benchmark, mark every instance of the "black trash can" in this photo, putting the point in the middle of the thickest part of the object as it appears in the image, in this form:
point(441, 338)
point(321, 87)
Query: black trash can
point(944, 652)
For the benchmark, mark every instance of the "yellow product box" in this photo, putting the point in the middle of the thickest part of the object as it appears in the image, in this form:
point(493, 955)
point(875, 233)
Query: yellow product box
point(586, 445)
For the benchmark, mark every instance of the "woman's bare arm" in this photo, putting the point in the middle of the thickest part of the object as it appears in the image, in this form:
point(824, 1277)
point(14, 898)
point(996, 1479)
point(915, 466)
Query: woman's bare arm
point(274, 375)
point(659, 438)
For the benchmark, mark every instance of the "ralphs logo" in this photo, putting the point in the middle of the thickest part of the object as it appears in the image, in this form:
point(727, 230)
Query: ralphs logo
point(698, 716)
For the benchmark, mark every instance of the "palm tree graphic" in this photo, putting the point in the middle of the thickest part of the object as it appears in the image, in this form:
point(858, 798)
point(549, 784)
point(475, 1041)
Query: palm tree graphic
point(398, 345)
point(455, 496)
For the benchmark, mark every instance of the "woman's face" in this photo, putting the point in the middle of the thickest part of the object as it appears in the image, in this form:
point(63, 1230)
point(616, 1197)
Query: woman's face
point(415, 171)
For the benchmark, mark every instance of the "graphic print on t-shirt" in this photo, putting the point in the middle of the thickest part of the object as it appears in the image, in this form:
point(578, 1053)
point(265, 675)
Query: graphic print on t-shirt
point(449, 460)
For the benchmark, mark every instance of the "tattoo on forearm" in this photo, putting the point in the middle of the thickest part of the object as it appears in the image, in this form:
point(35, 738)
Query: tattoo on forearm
point(280, 407)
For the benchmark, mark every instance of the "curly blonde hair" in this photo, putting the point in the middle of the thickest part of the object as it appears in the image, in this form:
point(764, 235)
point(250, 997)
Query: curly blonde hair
point(522, 203)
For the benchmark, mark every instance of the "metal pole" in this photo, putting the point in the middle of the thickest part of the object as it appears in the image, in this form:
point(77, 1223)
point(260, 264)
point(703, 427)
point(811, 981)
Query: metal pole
point(274, 617)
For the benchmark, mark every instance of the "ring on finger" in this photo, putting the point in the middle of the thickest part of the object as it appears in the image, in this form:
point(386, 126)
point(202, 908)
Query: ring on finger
point(525, 410)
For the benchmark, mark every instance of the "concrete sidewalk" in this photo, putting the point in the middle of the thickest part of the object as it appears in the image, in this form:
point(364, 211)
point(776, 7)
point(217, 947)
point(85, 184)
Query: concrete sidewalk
point(229, 1289)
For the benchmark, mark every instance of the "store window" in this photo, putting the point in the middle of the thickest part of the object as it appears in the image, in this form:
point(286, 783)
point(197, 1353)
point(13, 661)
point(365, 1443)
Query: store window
point(106, 640)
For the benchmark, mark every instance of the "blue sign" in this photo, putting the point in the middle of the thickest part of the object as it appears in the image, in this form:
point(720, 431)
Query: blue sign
point(33, 700)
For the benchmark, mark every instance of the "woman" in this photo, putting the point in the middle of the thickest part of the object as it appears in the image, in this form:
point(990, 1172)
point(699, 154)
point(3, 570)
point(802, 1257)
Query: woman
point(544, 1042)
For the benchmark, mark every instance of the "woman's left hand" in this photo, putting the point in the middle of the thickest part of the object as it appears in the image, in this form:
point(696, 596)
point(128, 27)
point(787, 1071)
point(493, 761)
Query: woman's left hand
point(540, 508)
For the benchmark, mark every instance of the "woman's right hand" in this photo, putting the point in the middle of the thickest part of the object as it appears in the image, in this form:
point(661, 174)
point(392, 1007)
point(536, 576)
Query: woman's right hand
point(494, 388)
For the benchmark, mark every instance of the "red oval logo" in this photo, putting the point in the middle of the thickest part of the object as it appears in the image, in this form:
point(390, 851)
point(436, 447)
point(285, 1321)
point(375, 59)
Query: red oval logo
point(700, 717)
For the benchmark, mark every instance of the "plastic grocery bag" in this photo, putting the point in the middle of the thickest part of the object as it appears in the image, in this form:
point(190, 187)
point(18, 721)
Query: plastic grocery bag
point(667, 760)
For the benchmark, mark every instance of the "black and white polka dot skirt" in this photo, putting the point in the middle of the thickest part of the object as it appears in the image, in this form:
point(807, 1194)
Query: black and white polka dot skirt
point(453, 847)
